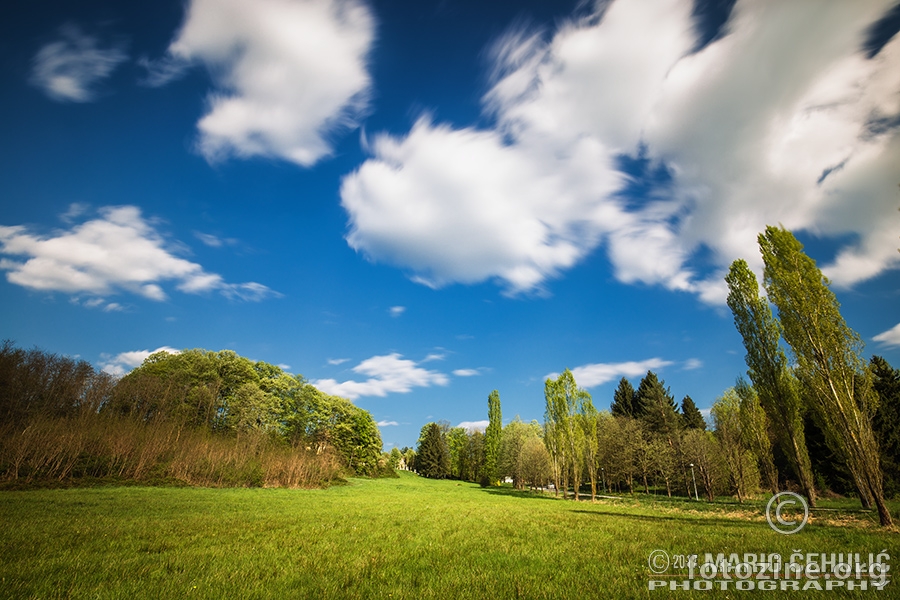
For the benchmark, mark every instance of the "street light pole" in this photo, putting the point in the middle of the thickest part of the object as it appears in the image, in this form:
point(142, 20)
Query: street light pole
point(696, 496)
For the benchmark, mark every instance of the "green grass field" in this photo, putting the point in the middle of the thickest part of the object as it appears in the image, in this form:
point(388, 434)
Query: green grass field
point(386, 538)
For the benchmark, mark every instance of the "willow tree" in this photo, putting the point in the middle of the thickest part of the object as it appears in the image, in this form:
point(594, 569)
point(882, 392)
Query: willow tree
point(768, 370)
point(828, 355)
point(564, 437)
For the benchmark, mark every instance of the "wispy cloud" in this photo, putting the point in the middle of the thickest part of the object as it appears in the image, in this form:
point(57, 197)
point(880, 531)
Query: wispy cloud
point(288, 74)
point(782, 119)
point(337, 361)
point(387, 374)
point(396, 311)
point(126, 361)
point(70, 68)
point(889, 338)
point(466, 372)
point(119, 251)
point(387, 423)
point(592, 375)
point(692, 364)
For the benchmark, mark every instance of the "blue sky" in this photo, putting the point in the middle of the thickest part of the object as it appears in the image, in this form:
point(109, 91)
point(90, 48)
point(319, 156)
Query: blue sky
point(413, 203)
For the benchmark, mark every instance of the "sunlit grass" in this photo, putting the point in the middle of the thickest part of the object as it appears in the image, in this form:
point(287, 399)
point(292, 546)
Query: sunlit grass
point(386, 538)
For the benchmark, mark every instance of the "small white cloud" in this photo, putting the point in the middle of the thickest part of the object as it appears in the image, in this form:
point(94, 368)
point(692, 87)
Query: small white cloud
point(120, 251)
point(337, 361)
point(284, 367)
point(592, 375)
point(113, 307)
point(692, 364)
point(434, 356)
point(69, 69)
point(473, 426)
point(889, 338)
point(387, 374)
point(287, 74)
point(126, 361)
point(387, 423)
point(396, 311)
point(466, 372)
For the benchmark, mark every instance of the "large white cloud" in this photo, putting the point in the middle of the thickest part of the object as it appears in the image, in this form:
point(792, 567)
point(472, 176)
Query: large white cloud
point(592, 375)
point(69, 68)
point(120, 251)
point(387, 374)
point(782, 119)
point(287, 72)
point(126, 361)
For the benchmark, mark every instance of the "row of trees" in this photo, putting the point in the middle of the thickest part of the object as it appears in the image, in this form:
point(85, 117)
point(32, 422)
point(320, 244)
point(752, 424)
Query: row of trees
point(223, 418)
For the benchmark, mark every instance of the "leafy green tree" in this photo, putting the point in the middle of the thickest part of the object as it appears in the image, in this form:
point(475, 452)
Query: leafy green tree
point(768, 370)
point(432, 455)
point(829, 362)
point(493, 438)
point(624, 400)
point(702, 450)
point(726, 413)
point(755, 428)
point(395, 458)
point(535, 462)
point(693, 419)
point(564, 399)
point(457, 443)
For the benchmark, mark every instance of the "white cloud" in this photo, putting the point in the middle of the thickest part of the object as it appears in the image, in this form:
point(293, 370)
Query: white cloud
point(396, 311)
point(69, 69)
point(120, 251)
point(889, 338)
point(126, 361)
point(588, 376)
point(387, 374)
point(387, 423)
point(287, 73)
point(337, 361)
point(692, 364)
point(466, 372)
point(780, 120)
point(473, 426)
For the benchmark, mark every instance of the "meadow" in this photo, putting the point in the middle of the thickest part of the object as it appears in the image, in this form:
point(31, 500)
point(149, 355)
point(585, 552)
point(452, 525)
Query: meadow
point(385, 538)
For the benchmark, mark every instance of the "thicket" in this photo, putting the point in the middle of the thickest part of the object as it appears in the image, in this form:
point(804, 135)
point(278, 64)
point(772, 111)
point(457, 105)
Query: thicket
point(197, 417)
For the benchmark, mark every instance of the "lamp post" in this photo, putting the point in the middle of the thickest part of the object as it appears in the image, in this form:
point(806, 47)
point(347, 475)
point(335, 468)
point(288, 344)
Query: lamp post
point(696, 496)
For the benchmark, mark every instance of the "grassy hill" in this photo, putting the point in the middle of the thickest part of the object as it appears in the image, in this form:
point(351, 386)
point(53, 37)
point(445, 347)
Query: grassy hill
point(386, 538)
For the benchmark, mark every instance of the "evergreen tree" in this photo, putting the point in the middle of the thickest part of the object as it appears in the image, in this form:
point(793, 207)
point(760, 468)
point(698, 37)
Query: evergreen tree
point(657, 407)
point(623, 399)
point(432, 455)
point(886, 421)
point(691, 415)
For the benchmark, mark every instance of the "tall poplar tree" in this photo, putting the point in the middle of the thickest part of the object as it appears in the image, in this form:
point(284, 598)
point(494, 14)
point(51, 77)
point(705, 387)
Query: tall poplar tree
point(768, 370)
point(493, 438)
point(829, 362)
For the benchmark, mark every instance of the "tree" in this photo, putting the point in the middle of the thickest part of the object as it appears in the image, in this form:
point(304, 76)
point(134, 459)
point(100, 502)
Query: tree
point(657, 407)
point(564, 399)
point(493, 438)
point(768, 370)
point(515, 436)
point(693, 419)
point(432, 454)
point(726, 413)
point(755, 428)
point(624, 400)
point(886, 421)
point(702, 450)
point(828, 355)
point(457, 443)
point(535, 462)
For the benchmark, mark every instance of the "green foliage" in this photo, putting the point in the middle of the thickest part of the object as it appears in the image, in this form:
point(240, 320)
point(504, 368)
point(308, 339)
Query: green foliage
point(432, 454)
point(691, 415)
point(886, 421)
point(624, 400)
point(493, 438)
point(729, 430)
point(656, 406)
point(767, 365)
point(829, 363)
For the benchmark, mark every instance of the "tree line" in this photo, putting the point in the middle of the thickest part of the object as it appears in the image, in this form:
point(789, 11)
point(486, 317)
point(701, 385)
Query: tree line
point(813, 416)
point(198, 416)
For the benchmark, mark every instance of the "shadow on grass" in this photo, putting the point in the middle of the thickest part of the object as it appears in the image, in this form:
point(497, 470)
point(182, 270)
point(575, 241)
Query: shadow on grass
point(513, 492)
point(693, 519)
